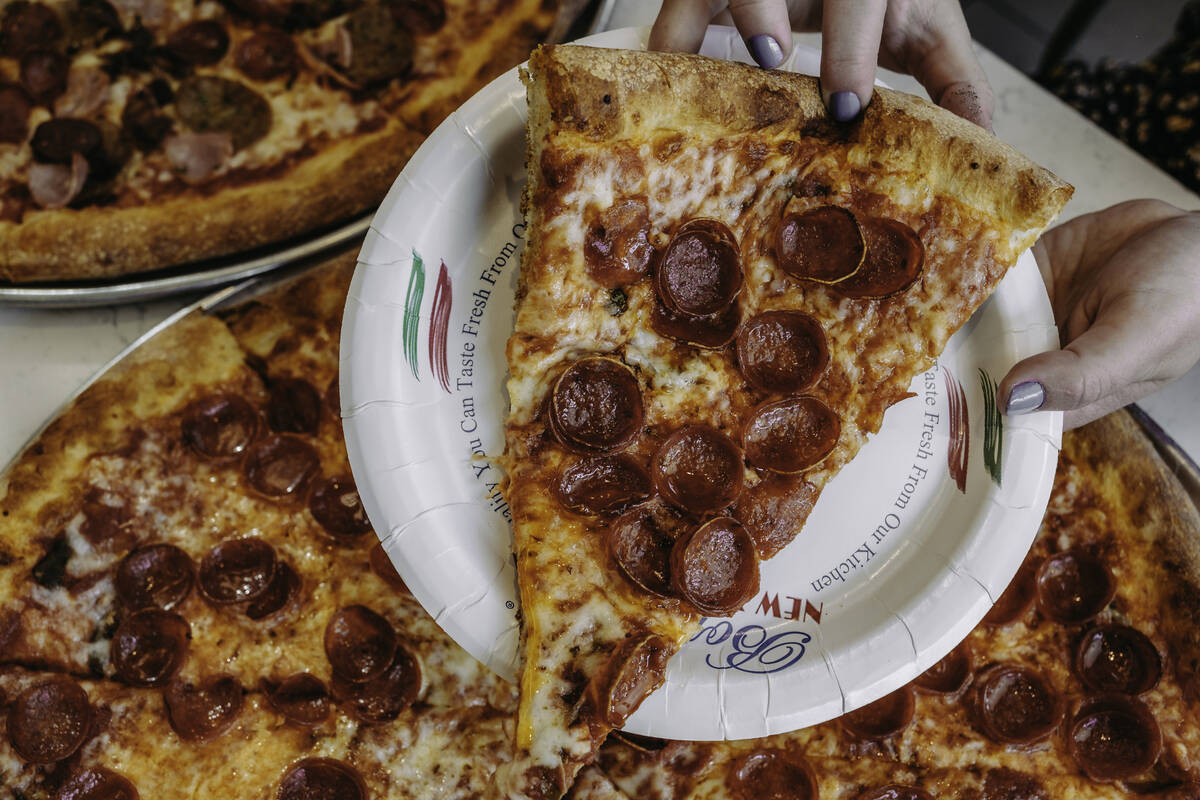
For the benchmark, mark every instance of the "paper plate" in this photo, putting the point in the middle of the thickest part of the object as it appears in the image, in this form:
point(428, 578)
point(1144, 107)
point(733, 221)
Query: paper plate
point(904, 553)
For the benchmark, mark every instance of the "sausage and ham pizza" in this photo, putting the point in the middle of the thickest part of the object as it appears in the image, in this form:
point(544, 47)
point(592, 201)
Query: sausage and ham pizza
point(721, 294)
point(137, 134)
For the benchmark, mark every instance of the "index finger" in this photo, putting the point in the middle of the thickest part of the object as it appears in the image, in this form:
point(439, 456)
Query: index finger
point(681, 24)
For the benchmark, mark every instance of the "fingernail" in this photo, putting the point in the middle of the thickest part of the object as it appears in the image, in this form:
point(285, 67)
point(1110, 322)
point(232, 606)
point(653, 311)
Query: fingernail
point(1025, 397)
point(765, 50)
point(844, 106)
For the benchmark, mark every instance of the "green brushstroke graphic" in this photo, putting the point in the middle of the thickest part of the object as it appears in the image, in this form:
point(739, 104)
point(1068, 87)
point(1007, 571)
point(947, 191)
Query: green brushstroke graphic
point(412, 312)
point(993, 427)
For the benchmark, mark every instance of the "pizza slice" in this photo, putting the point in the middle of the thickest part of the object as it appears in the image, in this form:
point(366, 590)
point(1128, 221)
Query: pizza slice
point(721, 294)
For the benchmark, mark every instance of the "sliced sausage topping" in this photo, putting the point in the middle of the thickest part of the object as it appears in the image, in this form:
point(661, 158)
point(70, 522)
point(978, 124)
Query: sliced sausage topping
point(886, 717)
point(280, 466)
point(384, 698)
point(266, 55)
point(294, 406)
point(700, 273)
point(640, 542)
point(321, 779)
point(1073, 586)
point(282, 589)
point(44, 75)
point(149, 646)
point(201, 42)
point(698, 469)
point(220, 426)
point(1015, 705)
point(237, 570)
point(96, 783)
point(25, 26)
point(334, 502)
point(782, 351)
point(1117, 658)
point(823, 244)
point(710, 333)
point(895, 257)
point(199, 713)
point(55, 140)
point(617, 246)
point(772, 775)
point(301, 698)
point(1114, 737)
point(382, 566)
point(49, 721)
point(596, 405)
point(381, 48)
point(603, 484)
point(208, 103)
point(948, 676)
point(790, 435)
point(1017, 598)
point(635, 669)
point(359, 644)
point(15, 105)
point(715, 567)
point(774, 509)
point(155, 576)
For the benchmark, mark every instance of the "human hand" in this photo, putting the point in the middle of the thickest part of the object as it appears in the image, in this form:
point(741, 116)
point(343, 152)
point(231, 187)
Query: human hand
point(925, 38)
point(1125, 286)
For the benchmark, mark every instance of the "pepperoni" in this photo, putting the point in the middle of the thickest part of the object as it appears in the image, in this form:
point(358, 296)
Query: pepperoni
point(782, 351)
point(44, 75)
point(96, 783)
point(420, 16)
point(1114, 737)
point(699, 274)
point(634, 669)
point(698, 469)
point(301, 698)
point(1117, 658)
point(266, 55)
point(204, 712)
point(772, 775)
point(294, 406)
point(334, 502)
point(790, 435)
point(201, 42)
point(616, 247)
point(49, 721)
point(15, 106)
point(359, 644)
point(824, 244)
point(385, 698)
point(894, 260)
point(149, 647)
point(895, 791)
point(25, 26)
point(55, 140)
point(948, 676)
point(237, 570)
point(1015, 705)
point(596, 405)
point(382, 566)
point(1016, 599)
point(282, 589)
point(220, 426)
point(640, 542)
point(711, 332)
point(774, 509)
point(321, 779)
point(715, 567)
point(1010, 784)
point(1073, 586)
point(155, 576)
point(280, 466)
point(142, 121)
point(106, 520)
point(603, 485)
point(886, 717)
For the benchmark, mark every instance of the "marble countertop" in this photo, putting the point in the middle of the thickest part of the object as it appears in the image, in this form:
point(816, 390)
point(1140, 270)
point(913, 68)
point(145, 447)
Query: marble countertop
point(46, 355)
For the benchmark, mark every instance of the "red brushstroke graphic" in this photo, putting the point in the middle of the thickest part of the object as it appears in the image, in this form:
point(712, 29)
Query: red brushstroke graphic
point(960, 431)
point(439, 324)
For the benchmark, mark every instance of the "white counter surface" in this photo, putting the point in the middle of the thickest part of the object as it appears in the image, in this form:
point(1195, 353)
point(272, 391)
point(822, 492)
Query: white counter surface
point(46, 355)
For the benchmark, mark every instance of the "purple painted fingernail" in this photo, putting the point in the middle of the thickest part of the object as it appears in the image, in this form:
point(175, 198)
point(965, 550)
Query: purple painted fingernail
point(1025, 397)
point(844, 106)
point(765, 50)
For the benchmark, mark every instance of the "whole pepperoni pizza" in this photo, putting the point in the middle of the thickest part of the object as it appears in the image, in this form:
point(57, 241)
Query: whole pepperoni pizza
point(723, 290)
point(137, 134)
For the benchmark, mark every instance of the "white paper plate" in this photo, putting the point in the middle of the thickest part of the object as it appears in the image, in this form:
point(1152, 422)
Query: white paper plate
point(895, 567)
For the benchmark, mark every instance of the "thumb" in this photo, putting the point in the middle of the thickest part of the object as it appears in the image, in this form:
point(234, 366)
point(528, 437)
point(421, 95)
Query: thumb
point(1094, 374)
